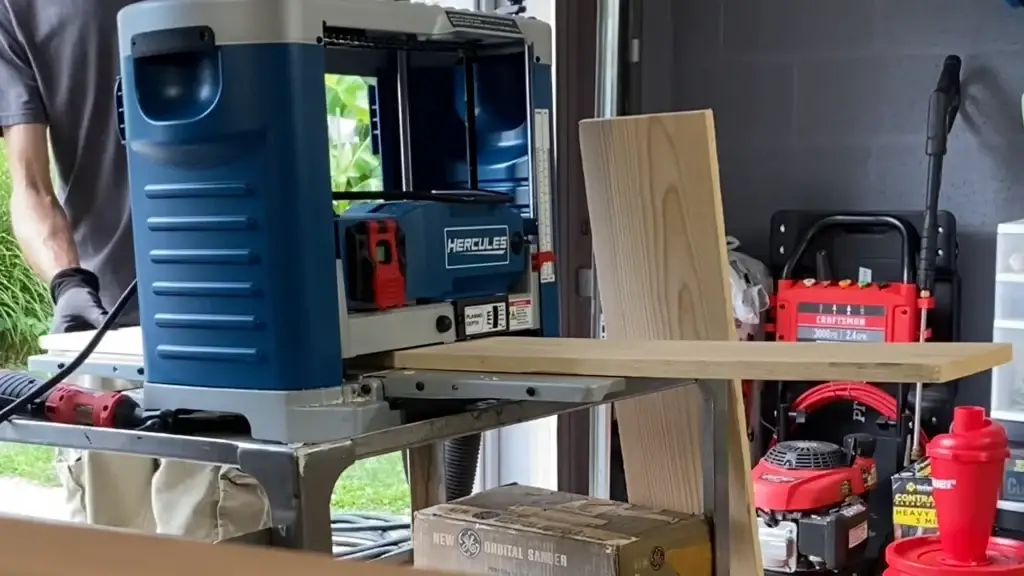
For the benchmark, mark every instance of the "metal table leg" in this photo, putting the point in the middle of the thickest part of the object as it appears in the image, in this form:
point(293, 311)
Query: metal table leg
point(715, 450)
point(299, 485)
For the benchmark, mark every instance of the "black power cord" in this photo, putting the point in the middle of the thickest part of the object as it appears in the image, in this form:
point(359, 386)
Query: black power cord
point(364, 536)
point(19, 405)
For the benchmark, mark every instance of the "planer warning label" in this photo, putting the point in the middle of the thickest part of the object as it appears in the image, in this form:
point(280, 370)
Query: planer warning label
point(520, 313)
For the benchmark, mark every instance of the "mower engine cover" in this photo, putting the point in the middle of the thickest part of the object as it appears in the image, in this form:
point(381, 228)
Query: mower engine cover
point(810, 499)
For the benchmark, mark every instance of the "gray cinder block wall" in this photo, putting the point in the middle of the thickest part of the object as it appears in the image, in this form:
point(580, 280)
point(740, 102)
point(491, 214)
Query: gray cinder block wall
point(821, 104)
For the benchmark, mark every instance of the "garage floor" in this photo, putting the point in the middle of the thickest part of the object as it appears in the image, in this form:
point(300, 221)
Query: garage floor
point(23, 498)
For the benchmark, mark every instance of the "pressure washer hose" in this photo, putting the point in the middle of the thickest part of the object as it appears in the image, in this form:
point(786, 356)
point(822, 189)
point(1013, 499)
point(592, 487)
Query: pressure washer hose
point(869, 395)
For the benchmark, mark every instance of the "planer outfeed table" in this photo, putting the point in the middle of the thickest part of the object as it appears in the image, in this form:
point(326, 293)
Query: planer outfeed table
point(299, 479)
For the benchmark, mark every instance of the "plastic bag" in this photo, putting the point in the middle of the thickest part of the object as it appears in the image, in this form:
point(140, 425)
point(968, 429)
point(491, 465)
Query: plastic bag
point(751, 285)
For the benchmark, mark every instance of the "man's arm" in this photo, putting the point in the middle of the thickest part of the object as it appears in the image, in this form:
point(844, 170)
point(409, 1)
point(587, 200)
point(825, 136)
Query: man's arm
point(39, 222)
point(44, 235)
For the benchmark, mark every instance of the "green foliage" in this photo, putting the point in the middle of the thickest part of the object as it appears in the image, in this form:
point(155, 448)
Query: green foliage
point(372, 485)
point(376, 484)
point(24, 301)
point(354, 166)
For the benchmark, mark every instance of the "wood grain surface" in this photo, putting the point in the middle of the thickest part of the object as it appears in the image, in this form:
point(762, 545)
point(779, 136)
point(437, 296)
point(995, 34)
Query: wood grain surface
point(930, 362)
point(32, 547)
point(426, 476)
point(659, 247)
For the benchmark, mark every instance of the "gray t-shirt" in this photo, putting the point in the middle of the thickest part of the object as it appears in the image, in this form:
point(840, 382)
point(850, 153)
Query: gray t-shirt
point(58, 66)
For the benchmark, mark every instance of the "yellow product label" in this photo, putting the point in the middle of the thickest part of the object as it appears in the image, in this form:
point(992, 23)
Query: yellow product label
point(913, 500)
point(916, 517)
point(1018, 465)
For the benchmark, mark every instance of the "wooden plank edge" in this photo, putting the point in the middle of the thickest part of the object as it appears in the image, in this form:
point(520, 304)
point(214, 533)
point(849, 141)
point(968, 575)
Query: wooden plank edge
point(882, 372)
point(999, 355)
point(54, 548)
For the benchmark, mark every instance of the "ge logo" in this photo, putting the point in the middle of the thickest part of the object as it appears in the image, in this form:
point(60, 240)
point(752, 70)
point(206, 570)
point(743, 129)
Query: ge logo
point(469, 543)
point(657, 558)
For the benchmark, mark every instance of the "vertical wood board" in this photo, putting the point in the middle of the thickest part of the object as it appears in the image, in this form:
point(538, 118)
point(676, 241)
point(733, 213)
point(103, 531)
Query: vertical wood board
point(659, 241)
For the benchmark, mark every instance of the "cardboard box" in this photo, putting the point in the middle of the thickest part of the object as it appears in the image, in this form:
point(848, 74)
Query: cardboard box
point(520, 531)
point(913, 508)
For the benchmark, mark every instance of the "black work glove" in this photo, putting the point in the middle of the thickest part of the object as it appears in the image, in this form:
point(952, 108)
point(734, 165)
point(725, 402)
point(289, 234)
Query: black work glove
point(76, 301)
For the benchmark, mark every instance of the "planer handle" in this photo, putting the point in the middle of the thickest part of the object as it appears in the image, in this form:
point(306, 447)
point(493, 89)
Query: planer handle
point(852, 221)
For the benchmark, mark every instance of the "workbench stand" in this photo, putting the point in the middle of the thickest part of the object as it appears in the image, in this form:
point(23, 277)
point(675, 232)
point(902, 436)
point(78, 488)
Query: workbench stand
point(299, 479)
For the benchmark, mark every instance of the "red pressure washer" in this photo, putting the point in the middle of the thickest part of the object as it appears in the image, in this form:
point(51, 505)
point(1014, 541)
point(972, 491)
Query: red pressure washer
point(812, 497)
point(825, 310)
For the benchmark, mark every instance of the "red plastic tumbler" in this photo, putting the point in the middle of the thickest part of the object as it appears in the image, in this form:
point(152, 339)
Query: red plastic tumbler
point(967, 470)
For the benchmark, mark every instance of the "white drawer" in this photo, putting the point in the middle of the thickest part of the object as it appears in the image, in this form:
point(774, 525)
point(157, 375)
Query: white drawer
point(1009, 300)
point(1010, 248)
point(1008, 379)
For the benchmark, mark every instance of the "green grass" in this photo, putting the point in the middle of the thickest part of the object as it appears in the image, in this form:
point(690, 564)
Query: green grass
point(374, 485)
point(24, 302)
point(31, 463)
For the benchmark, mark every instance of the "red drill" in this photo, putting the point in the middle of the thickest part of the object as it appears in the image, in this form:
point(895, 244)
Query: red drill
point(68, 404)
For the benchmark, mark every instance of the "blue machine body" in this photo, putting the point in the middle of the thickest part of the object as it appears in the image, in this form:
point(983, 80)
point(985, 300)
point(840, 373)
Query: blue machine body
point(233, 224)
point(236, 240)
point(452, 251)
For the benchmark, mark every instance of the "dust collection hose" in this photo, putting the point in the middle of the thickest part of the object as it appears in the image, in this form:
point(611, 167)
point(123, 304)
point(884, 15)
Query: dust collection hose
point(14, 385)
point(461, 456)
